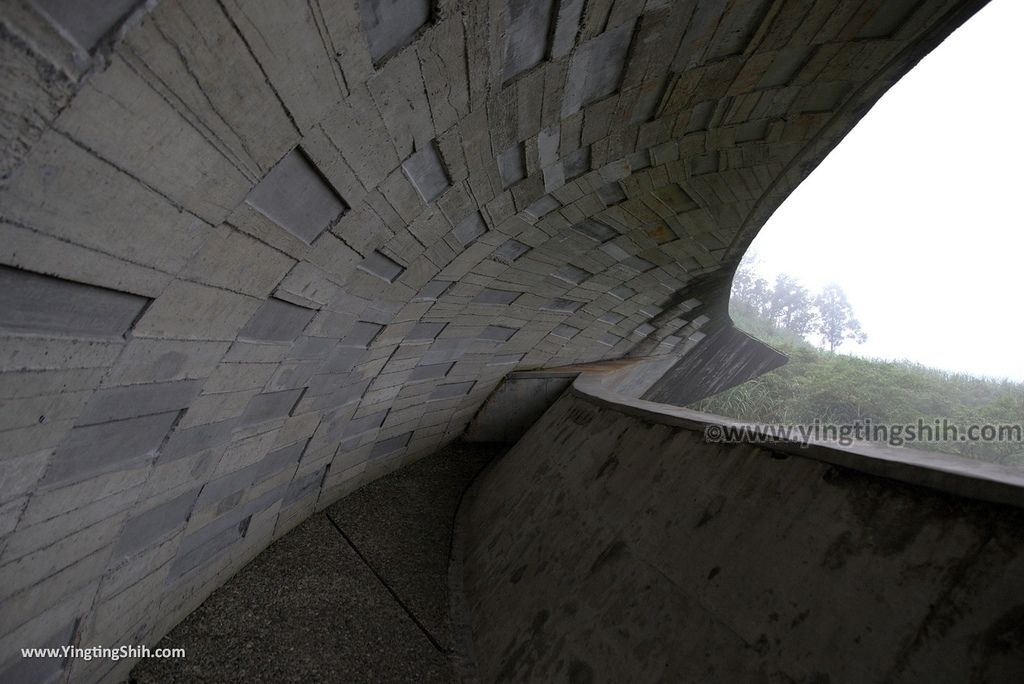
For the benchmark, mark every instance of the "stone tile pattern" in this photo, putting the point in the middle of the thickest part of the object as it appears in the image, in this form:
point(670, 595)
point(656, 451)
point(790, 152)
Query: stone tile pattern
point(270, 369)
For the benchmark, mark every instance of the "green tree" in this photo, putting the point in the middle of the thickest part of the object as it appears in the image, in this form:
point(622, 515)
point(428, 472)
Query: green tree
point(751, 293)
point(791, 306)
point(836, 322)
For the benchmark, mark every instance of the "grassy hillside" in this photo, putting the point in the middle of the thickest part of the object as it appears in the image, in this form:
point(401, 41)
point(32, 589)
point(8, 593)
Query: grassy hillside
point(835, 388)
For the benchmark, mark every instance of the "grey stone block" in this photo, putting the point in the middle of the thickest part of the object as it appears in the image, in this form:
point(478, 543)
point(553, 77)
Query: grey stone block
point(423, 332)
point(614, 251)
point(311, 348)
point(362, 334)
point(470, 228)
point(389, 24)
point(427, 173)
point(700, 117)
point(344, 359)
point(153, 525)
point(887, 19)
point(35, 304)
point(566, 331)
point(498, 333)
point(702, 164)
point(784, 67)
point(492, 296)
point(199, 552)
point(611, 194)
point(640, 159)
point(542, 207)
point(526, 35)
point(446, 350)
point(676, 199)
point(576, 163)
point(644, 329)
point(276, 321)
point(204, 544)
point(609, 339)
point(304, 486)
point(510, 250)
point(381, 266)
point(390, 446)
point(96, 449)
point(295, 196)
point(572, 274)
point(184, 443)
point(452, 389)
point(561, 305)
point(116, 403)
point(596, 68)
point(554, 177)
point(339, 395)
point(360, 426)
point(567, 26)
point(611, 318)
point(432, 290)
point(596, 231)
point(505, 359)
point(430, 372)
point(189, 311)
point(622, 292)
point(646, 106)
point(548, 141)
point(751, 130)
point(269, 406)
point(637, 265)
point(512, 164)
point(268, 466)
point(86, 21)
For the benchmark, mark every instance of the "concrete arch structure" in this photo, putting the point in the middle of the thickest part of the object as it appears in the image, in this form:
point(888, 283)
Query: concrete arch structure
point(256, 253)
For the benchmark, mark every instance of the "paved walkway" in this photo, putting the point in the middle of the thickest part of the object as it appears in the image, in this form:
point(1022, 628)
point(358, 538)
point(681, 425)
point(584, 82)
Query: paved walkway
point(356, 593)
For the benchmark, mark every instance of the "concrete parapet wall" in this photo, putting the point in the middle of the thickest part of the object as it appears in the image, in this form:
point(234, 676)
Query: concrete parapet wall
point(613, 543)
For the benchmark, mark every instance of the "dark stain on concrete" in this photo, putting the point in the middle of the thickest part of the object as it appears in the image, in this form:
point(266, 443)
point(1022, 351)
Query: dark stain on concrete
point(580, 416)
point(711, 511)
point(539, 620)
point(1006, 635)
point(613, 552)
point(841, 548)
point(580, 673)
point(511, 665)
point(608, 467)
point(799, 619)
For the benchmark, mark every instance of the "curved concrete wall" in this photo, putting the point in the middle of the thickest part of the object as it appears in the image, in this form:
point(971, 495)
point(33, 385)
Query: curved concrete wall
point(613, 543)
point(255, 252)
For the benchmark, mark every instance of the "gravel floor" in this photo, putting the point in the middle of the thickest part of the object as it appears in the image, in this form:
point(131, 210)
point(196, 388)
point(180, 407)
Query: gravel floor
point(355, 593)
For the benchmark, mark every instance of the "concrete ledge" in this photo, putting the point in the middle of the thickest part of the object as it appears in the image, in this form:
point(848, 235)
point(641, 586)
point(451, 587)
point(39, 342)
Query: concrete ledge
point(946, 473)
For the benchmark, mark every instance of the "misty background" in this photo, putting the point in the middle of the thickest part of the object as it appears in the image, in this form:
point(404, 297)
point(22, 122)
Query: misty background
point(915, 214)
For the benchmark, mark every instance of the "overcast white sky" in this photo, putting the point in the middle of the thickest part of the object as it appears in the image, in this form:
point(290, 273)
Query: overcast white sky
point(917, 213)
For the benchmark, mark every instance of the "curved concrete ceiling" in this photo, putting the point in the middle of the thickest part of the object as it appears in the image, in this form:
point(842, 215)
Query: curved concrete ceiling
point(257, 252)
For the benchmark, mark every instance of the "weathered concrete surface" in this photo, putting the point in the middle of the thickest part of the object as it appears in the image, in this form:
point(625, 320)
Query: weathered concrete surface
point(515, 406)
point(251, 169)
point(611, 546)
point(729, 357)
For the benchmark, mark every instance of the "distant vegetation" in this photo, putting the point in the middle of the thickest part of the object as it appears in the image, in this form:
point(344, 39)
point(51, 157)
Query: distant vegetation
point(836, 388)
